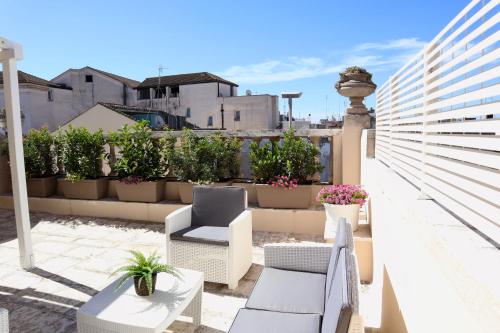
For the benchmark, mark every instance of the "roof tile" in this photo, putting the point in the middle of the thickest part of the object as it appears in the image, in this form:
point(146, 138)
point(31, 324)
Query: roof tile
point(183, 79)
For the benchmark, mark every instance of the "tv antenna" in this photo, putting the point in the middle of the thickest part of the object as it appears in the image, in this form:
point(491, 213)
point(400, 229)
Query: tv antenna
point(158, 92)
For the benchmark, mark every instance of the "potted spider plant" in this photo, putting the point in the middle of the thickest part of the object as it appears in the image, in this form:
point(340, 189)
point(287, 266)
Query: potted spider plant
point(144, 271)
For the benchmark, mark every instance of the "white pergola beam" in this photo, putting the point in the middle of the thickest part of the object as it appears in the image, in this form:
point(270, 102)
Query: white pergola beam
point(9, 53)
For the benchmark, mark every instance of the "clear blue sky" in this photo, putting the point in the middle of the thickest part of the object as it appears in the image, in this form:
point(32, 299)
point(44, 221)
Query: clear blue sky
point(265, 46)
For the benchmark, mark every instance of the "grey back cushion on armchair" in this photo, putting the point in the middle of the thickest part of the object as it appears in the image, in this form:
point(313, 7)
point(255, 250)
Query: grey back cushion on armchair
point(217, 206)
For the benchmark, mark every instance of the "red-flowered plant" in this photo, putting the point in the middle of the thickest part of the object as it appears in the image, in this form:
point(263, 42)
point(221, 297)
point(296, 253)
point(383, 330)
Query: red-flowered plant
point(284, 182)
point(342, 195)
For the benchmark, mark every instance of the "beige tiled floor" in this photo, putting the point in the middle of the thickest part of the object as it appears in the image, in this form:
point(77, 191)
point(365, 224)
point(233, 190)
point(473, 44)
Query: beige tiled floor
point(74, 258)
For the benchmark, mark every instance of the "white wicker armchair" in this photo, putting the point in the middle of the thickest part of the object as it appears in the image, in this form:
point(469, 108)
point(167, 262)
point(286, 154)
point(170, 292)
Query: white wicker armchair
point(223, 253)
point(4, 321)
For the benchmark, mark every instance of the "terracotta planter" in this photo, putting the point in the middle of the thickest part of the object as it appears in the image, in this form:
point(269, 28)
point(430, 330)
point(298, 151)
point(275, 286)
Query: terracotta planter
point(251, 191)
point(151, 191)
point(142, 288)
point(172, 190)
point(315, 188)
point(88, 189)
point(41, 187)
point(350, 212)
point(186, 191)
point(60, 185)
point(112, 188)
point(276, 197)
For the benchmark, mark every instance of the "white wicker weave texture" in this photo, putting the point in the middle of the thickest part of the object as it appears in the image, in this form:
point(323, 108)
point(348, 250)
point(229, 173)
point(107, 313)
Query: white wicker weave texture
point(298, 257)
point(4, 321)
point(210, 259)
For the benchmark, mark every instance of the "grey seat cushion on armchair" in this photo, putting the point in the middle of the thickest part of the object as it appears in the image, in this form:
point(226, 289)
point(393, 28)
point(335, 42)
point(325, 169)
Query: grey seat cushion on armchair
point(206, 235)
point(217, 206)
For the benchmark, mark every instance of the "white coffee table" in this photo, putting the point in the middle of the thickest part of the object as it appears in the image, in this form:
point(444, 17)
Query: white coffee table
point(123, 311)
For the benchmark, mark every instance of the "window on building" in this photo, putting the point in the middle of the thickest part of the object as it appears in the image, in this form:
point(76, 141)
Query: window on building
point(50, 95)
point(89, 78)
point(188, 113)
point(143, 93)
point(160, 92)
point(236, 115)
point(174, 91)
point(210, 121)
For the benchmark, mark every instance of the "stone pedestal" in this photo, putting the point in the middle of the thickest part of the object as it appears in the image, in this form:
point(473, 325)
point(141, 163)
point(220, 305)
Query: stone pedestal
point(356, 84)
point(351, 147)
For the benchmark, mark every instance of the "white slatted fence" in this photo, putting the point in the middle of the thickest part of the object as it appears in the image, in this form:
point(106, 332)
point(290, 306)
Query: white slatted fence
point(438, 118)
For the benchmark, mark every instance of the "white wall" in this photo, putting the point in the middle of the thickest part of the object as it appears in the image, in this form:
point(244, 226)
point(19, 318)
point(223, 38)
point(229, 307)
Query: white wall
point(256, 112)
point(102, 89)
point(202, 100)
point(39, 111)
point(100, 117)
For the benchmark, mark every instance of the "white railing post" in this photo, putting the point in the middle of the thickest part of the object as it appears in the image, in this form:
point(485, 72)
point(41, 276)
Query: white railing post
point(16, 154)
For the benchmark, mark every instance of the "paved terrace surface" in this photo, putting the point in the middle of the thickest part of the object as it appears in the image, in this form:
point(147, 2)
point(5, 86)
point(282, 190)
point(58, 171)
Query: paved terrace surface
point(75, 257)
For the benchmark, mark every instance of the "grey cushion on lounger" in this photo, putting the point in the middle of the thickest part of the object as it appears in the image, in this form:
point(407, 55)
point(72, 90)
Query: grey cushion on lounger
point(288, 291)
point(256, 321)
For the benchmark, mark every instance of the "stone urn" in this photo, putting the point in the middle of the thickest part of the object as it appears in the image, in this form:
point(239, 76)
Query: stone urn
point(355, 83)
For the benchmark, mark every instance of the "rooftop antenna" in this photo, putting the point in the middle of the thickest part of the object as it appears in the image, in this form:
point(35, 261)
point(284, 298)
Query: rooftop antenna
point(290, 96)
point(158, 88)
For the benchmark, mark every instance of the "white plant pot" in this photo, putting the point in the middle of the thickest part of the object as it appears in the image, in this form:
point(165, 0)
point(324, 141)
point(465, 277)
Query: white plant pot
point(334, 212)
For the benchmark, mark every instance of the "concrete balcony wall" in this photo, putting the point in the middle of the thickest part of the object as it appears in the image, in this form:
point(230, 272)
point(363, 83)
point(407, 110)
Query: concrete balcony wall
point(432, 273)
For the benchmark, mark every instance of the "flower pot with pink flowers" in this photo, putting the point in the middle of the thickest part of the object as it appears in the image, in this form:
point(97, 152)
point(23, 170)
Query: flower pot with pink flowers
point(342, 201)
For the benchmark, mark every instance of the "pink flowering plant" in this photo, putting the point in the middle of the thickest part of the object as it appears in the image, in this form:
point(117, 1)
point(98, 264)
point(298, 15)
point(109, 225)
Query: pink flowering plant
point(342, 195)
point(283, 182)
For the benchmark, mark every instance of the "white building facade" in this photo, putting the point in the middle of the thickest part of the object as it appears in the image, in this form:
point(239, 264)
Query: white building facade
point(91, 86)
point(204, 99)
point(54, 103)
point(200, 97)
point(43, 103)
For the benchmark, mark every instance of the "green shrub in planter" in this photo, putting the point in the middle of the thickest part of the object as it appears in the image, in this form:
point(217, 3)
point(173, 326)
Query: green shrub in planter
point(141, 156)
point(205, 159)
point(296, 158)
point(301, 157)
point(82, 153)
point(266, 161)
point(39, 162)
point(39, 154)
point(141, 164)
point(227, 152)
